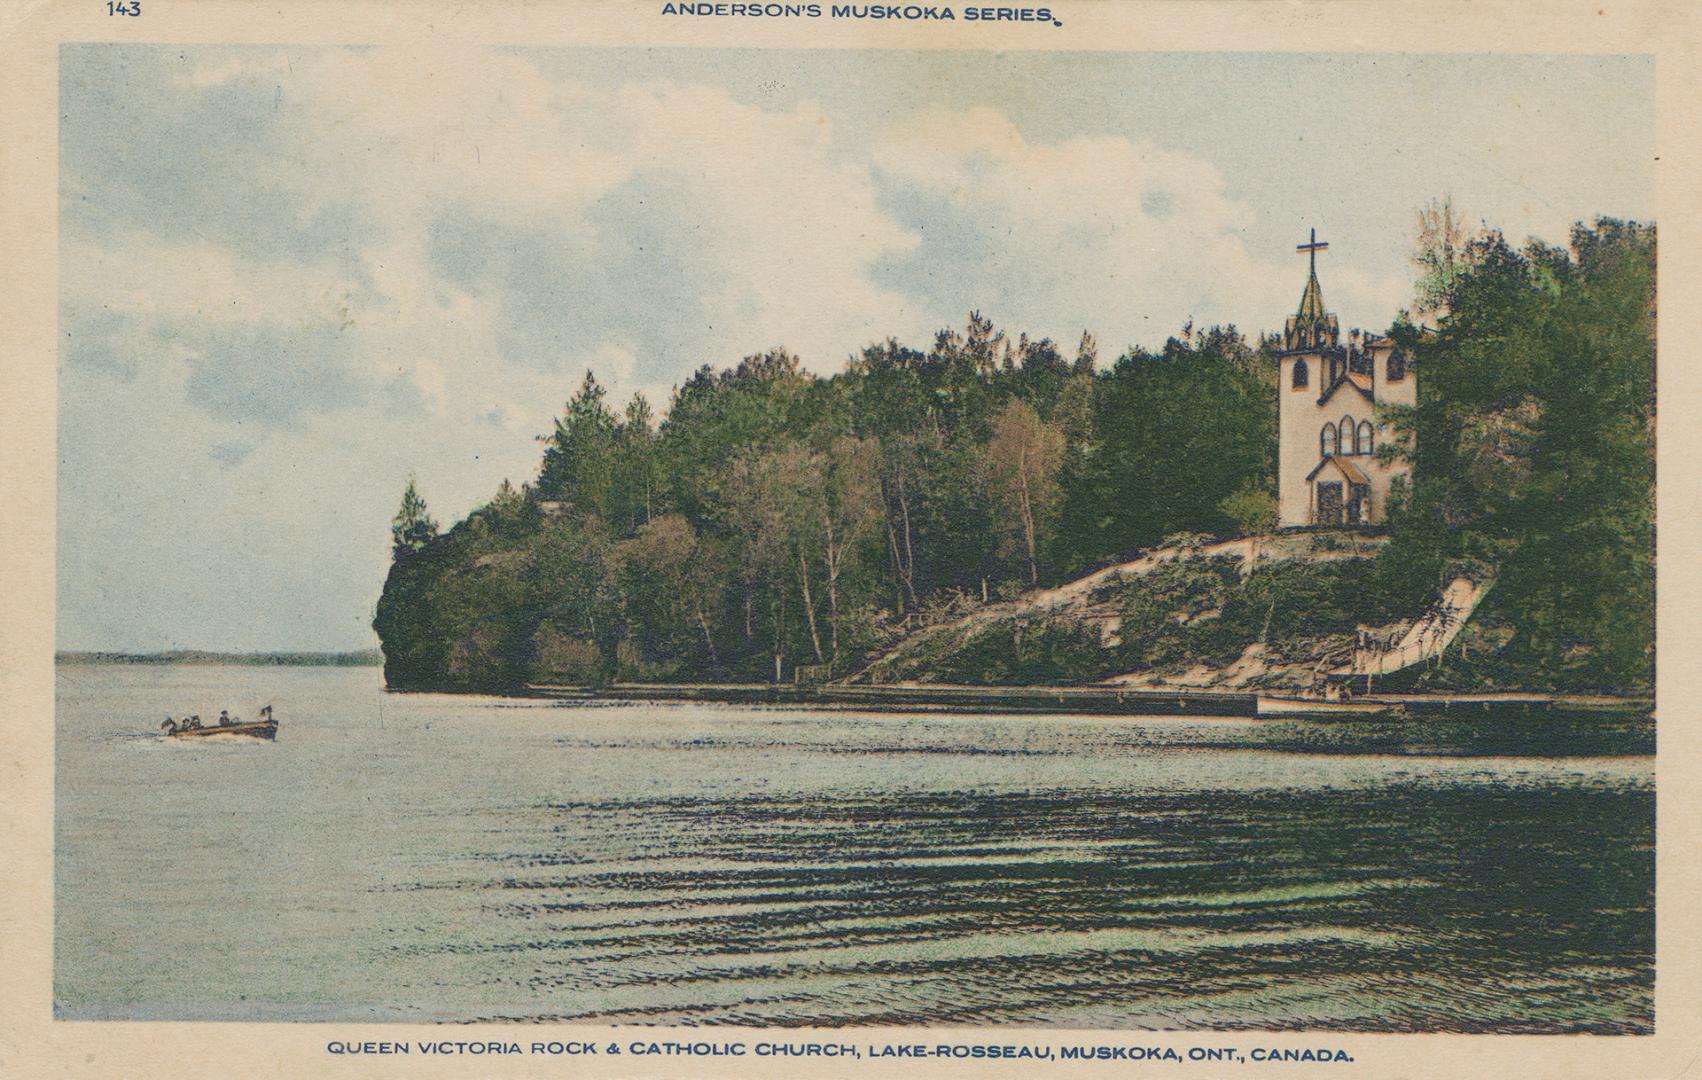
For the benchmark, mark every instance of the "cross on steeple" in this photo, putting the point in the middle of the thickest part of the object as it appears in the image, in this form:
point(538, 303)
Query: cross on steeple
point(1312, 247)
point(1312, 300)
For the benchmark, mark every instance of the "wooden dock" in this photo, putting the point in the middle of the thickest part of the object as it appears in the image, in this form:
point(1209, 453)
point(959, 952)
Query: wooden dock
point(1095, 700)
point(1088, 700)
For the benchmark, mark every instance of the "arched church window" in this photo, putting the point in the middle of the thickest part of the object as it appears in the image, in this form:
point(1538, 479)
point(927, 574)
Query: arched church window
point(1328, 441)
point(1301, 375)
point(1348, 435)
point(1397, 366)
point(1363, 441)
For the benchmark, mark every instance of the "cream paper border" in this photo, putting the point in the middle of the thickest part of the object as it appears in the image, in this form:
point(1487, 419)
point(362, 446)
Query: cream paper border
point(33, 1044)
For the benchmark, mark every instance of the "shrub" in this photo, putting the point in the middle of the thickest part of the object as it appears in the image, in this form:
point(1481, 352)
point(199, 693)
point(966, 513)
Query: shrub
point(1022, 652)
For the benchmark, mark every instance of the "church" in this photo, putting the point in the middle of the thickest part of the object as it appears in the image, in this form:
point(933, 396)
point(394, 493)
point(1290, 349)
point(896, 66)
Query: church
point(1328, 473)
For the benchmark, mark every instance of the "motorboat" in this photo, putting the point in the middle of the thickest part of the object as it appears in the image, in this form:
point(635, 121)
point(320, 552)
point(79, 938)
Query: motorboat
point(192, 728)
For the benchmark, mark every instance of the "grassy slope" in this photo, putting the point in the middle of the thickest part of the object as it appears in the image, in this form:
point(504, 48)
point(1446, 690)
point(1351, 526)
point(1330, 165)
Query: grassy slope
point(1252, 612)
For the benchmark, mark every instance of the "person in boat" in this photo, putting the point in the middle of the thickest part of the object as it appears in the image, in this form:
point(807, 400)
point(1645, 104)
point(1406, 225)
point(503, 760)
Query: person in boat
point(224, 718)
point(170, 726)
point(193, 722)
point(265, 714)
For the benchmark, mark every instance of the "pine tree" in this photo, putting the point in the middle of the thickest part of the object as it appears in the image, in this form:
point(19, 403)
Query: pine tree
point(413, 527)
point(1087, 355)
point(579, 455)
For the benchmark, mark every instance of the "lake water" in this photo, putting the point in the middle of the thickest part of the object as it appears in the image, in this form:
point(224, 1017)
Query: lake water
point(429, 857)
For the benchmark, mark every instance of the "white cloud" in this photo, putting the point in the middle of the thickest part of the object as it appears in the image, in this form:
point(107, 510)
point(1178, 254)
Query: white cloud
point(1105, 233)
point(790, 227)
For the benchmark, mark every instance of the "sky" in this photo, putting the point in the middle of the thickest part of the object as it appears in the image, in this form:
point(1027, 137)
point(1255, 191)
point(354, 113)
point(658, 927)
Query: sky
point(291, 277)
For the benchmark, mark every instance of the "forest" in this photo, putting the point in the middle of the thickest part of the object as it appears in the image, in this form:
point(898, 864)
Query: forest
point(778, 525)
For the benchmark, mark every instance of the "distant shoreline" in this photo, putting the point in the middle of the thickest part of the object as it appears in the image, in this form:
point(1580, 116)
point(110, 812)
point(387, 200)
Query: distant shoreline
point(357, 658)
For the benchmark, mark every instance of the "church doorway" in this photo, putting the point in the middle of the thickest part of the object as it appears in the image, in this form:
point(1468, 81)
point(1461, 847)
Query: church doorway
point(1330, 507)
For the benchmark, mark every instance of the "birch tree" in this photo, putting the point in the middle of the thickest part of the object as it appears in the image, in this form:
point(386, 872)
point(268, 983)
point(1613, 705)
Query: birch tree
point(1023, 458)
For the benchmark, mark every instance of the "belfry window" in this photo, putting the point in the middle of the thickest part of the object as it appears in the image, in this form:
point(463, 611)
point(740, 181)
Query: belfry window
point(1328, 443)
point(1349, 435)
point(1363, 441)
point(1301, 375)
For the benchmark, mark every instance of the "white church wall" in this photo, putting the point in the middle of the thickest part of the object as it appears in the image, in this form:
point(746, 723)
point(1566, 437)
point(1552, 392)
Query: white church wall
point(1299, 420)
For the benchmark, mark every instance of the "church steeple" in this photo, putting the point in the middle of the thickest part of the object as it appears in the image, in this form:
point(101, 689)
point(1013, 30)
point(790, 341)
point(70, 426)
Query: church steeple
point(1312, 327)
point(1312, 300)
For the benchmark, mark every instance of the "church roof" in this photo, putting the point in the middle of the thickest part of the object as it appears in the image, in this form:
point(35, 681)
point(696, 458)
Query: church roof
point(1312, 300)
point(1348, 469)
point(1358, 382)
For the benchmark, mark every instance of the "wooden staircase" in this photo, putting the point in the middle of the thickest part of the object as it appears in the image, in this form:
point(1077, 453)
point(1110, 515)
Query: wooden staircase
point(1424, 641)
